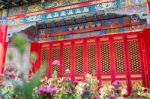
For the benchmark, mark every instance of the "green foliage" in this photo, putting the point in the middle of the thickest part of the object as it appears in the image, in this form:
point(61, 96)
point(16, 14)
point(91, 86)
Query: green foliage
point(64, 96)
point(54, 74)
point(20, 43)
point(10, 56)
point(27, 89)
point(23, 88)
point(33, 57)
point(147, 97)
point(6, 92)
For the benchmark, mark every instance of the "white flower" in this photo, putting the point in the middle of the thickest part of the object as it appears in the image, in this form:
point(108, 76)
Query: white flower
point(111, 87)
point(101, 90)
point(80, 86)
point(88, 76)
point(124, 91)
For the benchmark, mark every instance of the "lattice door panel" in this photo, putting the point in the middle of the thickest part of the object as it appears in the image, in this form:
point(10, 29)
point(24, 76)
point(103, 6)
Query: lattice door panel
point(134, 56)
point(119, 56)
point(45, 54)
point(91, 58)
point(105, 57)
point(55, 56)
point(66, 58)
point(78, 59)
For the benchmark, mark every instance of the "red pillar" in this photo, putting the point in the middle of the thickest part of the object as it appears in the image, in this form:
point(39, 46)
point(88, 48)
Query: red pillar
point(146, 41)
point(3, 32)
point(148, 4)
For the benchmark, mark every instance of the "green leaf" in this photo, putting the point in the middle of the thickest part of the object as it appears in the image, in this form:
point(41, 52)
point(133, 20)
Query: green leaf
point(146, 97)
point(10, 56)
point(20, 43)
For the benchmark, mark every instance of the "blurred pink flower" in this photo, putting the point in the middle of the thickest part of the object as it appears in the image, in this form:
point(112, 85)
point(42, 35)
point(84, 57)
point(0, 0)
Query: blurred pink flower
point(116, 83)
point(75, 82)
point(2, 84)
point(12, 68)
point(10, 75)
point(56, 62)
point(45, 90)
point(112, 96)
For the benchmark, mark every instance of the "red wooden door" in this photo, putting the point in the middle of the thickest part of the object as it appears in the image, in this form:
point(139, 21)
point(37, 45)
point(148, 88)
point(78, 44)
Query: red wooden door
point(110, 58)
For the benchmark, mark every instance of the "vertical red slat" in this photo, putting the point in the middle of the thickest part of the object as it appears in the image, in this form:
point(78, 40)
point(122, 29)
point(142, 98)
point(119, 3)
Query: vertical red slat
point(49, 61)
point(61, 59)
point(127, 63)
point(112, 59)
point(85, 56)
point(141, 59)
point(73, 61)
point(97, 59)
point(127, 73)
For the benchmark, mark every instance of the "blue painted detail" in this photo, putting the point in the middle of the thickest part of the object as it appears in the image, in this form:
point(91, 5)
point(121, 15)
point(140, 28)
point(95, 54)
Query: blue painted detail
point(96, 24)
point(121, 30)
point(3, 20)
point(106, 22)
point(103, 32)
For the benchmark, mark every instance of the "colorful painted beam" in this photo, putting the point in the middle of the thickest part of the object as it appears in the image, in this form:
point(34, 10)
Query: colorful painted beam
point(90, 30)
point(39, 7)
point(59, 9)
point(92, 9)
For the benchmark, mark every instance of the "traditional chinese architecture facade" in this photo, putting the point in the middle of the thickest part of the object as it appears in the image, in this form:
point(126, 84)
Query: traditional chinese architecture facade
point(109, 38)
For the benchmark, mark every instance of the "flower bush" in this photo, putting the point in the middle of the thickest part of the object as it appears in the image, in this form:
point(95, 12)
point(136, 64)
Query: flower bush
point(89, 88)
point(46, 91)
point(114, 91)
point(140, 93)
point(65, 88)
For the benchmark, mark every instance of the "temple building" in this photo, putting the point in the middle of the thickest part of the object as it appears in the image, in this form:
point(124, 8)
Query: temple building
point(108, 38)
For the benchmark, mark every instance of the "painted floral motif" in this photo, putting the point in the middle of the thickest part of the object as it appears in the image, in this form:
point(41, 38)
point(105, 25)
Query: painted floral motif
point(16, 11)
point(34, 8)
